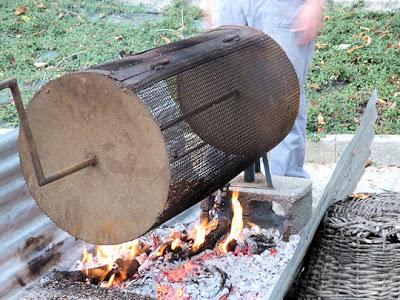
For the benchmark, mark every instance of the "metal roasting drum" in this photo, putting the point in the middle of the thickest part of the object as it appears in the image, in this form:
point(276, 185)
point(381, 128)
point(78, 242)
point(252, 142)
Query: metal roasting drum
point(134, 142)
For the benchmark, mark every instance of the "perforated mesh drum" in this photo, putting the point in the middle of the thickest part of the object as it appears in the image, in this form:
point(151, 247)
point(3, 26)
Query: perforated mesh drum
point(168, 126)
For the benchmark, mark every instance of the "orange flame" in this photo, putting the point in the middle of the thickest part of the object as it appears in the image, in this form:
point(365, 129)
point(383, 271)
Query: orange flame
point(237, 223)
point(105, 255)
point(176, 243)
point(87, 257)
point(109, 283)
point(201, 230)
point(104, 260)
point(134, 249)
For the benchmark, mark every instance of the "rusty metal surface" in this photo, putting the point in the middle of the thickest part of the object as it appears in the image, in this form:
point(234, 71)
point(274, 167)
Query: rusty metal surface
point(30, 244)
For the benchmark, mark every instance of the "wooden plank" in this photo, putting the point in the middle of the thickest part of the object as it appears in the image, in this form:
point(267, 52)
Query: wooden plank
point(343, 182)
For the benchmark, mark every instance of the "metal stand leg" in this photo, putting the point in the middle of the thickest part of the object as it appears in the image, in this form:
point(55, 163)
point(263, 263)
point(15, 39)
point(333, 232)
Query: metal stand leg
point(268, 176)
point(250, 174)
point(257, 166)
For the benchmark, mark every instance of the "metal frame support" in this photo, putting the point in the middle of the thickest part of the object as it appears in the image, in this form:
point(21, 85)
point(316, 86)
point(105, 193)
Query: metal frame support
point(249, 173)
point(42, 180)
point(268, 176)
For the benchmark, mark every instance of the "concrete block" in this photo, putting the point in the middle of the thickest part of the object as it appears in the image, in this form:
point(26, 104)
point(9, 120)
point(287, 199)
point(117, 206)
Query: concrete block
point(288, 206)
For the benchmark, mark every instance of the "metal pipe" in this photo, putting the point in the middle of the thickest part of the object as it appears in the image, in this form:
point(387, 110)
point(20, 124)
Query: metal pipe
point(91, 161)
point(232, 95)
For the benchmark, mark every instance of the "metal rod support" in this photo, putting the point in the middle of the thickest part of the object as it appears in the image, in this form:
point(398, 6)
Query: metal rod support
point(232, 95)
point(249, 174)
point(267, 169)
point(37, 166)
point(91, 161)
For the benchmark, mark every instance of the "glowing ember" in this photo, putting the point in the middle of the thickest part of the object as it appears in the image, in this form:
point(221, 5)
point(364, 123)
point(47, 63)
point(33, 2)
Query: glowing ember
point(237, 223)
point(180, 293)
point(165, 292)
point(162, 290)
point(179, 274)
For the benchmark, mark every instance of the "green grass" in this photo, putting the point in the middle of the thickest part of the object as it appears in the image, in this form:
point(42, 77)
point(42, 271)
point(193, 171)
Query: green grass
point(346, 80)
point(70, 35)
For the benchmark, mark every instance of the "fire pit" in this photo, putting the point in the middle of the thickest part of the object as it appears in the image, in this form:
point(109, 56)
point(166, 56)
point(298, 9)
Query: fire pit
point(112, 152)
point(183, 122)
point(209, 259)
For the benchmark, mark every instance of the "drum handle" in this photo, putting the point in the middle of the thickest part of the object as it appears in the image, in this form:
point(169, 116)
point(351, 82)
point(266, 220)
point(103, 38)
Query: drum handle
point(42, 180)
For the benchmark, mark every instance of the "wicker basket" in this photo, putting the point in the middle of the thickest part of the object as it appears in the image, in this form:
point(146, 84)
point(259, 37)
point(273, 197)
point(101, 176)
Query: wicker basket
point(356, 252)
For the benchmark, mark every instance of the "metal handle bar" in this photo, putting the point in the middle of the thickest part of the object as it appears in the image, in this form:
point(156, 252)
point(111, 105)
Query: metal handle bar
point(91, 160)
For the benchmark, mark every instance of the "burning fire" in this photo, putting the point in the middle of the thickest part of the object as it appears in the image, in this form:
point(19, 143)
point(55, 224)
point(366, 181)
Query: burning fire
point(200, 232)
point(102, 264)
point(237, 223)
point(111, 266)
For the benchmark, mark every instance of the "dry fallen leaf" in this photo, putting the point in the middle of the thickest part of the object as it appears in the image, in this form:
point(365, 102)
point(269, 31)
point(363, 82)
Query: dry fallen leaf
point(393, 105)
point(369, 163)
point(321, 119)
point(41, 5)
point(321, 123)
point(314, 104)
point(39, 32)
point(166, 39)
point(351, 50)
point(40, 65)
point(21, 10)
point(360, 196)
point(315, 86)
point(381, 101)
point(368, 40)
point(321, 45)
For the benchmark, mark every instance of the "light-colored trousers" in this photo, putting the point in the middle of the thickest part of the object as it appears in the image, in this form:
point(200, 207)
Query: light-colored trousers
point(275, 18)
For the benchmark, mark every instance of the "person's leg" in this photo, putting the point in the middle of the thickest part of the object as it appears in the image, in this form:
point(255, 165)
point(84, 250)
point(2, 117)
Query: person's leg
point(275, 17)
point(288, 157)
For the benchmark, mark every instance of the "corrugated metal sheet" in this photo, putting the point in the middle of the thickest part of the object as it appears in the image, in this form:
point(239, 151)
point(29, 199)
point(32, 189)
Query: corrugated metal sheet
point(30, 244)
